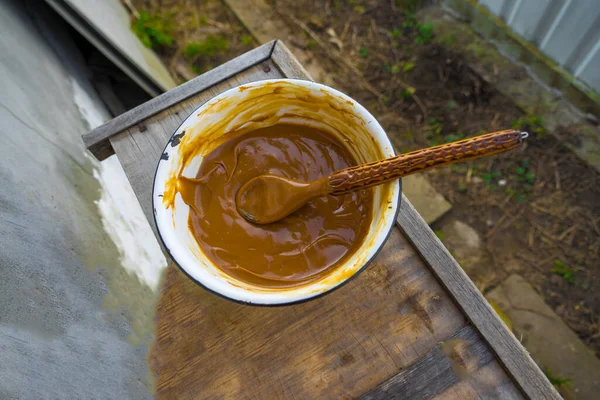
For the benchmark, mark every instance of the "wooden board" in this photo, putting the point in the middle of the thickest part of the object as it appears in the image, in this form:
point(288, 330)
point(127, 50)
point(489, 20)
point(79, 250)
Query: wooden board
point(378, 336)
point(339, 346)
point(459, 365)
point(512, 354)
point(97, 140)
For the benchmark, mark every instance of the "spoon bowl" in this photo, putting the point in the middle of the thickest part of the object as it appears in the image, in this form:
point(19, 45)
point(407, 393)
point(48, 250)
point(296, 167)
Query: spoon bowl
point(268, 198)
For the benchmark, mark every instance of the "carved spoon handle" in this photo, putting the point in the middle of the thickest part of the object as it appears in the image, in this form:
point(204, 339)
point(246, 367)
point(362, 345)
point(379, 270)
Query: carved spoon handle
point(367, 175)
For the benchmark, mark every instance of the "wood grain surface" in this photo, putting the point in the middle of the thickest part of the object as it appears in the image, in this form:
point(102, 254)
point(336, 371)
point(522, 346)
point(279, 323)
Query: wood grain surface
point(464, 360)
point(511, 353)
point(96, 140)
point(386, 324)
point(287, 63)
point(337, 346)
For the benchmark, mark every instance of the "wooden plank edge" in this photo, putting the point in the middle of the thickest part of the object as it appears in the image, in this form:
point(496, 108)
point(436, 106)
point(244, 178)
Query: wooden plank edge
point(102, 150)
point(287, 64)
point(94, 139)
point(437, 367)
point(83, 26)
point(512, 355)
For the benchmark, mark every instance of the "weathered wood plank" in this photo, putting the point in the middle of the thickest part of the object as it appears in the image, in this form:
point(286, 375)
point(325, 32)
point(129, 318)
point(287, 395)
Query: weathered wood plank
point(460, 358)
point(139, 147)
point(337, 346)
point(489, 382)
point(508, 349)
point(95, 141)
point(285, 61)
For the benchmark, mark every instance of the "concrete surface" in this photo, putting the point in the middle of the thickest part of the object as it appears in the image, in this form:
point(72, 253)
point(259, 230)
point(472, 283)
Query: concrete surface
point(470, 251)
point(464, 238)
point(111, 21)
point(547, 338)
point(74, 323)
point(428, 201)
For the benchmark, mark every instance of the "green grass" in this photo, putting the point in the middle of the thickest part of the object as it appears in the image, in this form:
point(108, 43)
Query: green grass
point(532, 124)
point(489, 177)
point(562, 270)
point(424, 33)
point(402, 66)
point(523, 175)
point(522, 182)
point(408, 66)
point(209, 47)
point(406, 93)
point(246, 40)
point(154, 31)
point(363, 52)
point(440, 234)
point(434, 134)
point(359, 9)
point(453, 137)
point(196, 70)
point(447, 39)
point(557, 381)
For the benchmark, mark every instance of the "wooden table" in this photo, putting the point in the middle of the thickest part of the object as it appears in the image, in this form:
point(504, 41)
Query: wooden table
point(412, 325)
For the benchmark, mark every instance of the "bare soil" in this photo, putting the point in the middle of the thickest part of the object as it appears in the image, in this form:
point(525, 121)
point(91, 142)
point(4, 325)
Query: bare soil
point(537, 208)
point(205, 34)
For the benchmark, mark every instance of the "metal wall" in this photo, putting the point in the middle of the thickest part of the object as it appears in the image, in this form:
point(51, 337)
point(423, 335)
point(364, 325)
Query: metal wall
point(567, 31)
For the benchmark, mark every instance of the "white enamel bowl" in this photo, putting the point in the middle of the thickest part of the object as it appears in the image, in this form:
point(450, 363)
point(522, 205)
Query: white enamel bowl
point(245, 108)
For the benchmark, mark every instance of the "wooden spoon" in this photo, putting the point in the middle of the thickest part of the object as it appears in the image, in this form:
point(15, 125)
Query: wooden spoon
point(269, 198)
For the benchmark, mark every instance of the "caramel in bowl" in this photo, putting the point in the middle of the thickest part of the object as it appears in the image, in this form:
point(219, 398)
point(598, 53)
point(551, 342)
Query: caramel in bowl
point(291, 128)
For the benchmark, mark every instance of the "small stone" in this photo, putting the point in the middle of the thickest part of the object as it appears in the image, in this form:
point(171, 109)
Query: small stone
point(467, 247)
point(551, 343)
point(477, 180)
point(502, 182)
point(428, 201)
point(465, 235)
point(489, 222)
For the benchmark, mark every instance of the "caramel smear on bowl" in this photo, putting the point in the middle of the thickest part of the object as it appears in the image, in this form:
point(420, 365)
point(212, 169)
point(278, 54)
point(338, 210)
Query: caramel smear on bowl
point(301, 248)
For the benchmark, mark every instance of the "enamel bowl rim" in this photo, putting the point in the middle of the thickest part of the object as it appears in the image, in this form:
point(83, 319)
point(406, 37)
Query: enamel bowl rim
point(174, 247)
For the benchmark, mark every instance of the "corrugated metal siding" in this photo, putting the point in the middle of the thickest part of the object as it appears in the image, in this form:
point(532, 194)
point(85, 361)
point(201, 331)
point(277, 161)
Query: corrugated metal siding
point(567, 31)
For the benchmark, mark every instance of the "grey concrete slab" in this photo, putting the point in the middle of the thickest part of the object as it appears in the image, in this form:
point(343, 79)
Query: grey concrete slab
point(59, 270)
point(428, 201)
point(551, 343)
point(106, 24)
